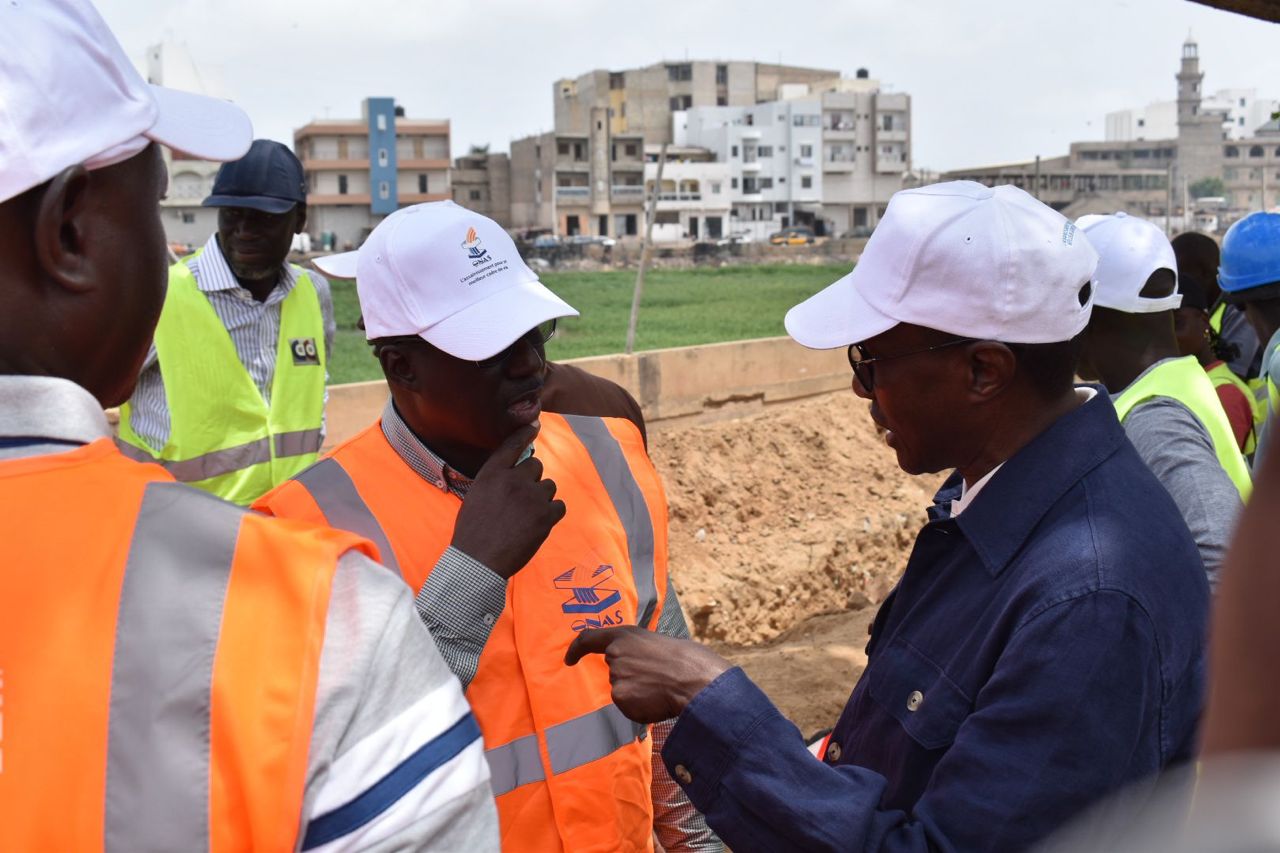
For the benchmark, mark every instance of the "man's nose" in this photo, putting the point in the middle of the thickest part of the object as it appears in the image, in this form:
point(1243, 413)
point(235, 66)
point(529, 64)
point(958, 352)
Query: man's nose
point(525, 358)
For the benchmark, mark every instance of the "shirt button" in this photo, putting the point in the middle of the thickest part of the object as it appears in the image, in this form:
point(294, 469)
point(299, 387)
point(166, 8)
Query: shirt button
point(489, 619)
point(833, 751)
point(683, 774)
point(914, 700)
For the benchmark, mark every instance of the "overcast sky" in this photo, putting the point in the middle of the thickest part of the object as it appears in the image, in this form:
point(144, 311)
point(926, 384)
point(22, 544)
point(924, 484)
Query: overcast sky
point(991, 80)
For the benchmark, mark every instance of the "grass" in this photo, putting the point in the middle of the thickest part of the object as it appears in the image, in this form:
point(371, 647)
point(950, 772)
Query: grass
point(680, 308)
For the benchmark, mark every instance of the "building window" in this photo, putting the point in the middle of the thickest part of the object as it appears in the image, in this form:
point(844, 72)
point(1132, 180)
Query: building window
point(1242, 102)
point(782, 180)
point(806, 182)
point(733, 151)
point(1231, 151)
point(806, 121)
point(422, 183)
point(342, 185)
point(680, 73)
point(722, 75)
point(562, 148)
point(722, 101)
point(733, 183)
point(766, 183)
point(382, 157)
point(382, 121)
point(765, 150)
point(680, 102)
point(384, 189)
point(617, 81)
point(631, 149)
point(188, 218)
point(806, 150)
point(1142, 122)
point(1241, 121)
point(1255, 151)
point(475, 195)
point(715, 187)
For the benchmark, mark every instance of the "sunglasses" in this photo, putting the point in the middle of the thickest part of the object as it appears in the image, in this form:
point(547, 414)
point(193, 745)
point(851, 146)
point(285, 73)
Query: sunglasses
point(864, 366)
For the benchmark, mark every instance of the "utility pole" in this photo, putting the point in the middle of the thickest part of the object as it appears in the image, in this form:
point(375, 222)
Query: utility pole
point(1168, 202)
point(1036, 185)
point(645, 249)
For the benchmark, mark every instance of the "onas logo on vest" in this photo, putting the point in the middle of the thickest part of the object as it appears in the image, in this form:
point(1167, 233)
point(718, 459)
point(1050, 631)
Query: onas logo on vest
point(590, 596)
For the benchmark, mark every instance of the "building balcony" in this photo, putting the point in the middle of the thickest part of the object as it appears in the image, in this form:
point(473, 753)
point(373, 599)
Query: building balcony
point(573, 193)
point(751, 133)
point(422, 164)
point(626, 192)
point(751, 196)
point(890, 165)
point(628, 165)
point(566, 164)
point(680, 197)
point(839, 165)
point(833, 135)
point(336, 165)
point(362, 199)
point(750, 165)
point(891, 135)
point(421, 198)
point(804, 161)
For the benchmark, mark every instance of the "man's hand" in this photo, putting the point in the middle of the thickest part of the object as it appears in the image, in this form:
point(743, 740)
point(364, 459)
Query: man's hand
point(510, 509)
point(653, 676)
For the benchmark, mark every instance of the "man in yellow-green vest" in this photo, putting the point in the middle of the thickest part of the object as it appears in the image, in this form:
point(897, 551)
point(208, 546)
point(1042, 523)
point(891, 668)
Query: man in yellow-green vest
point(1167, 404)
point(231, 397)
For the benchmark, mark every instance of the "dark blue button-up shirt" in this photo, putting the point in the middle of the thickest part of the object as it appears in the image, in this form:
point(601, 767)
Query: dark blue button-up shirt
point(1041, 650)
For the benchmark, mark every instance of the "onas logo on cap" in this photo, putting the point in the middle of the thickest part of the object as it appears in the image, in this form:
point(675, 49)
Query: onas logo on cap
point(475, 251)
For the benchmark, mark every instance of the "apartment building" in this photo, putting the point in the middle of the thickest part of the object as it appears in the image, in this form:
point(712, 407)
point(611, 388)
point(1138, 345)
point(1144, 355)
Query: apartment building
point(694, 200)
point(642, 100)
point(828, 160)
point(579, 183)
point(1242, 111)
point(360, 170)
point(481, 182)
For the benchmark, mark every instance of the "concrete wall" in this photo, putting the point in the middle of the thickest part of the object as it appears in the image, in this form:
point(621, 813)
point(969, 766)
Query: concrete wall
point(673, 386)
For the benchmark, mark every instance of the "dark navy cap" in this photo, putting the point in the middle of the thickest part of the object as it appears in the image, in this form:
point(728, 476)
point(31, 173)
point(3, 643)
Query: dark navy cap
point(269, 178)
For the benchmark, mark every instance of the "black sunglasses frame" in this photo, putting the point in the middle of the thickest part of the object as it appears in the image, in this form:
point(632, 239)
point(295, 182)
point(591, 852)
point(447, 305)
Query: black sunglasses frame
point(862, 364)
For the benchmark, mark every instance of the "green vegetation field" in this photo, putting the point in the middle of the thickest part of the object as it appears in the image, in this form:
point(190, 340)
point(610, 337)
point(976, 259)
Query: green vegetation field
point(680, 308)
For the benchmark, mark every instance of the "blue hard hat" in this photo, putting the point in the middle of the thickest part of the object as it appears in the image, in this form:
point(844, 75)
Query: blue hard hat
point(1251, 253)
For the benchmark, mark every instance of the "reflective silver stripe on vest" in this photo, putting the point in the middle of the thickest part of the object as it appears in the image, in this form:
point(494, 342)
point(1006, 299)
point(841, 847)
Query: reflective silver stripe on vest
point(298, 443)
point(628, 501)
point(514, 764)
point(169, 619)
point(590, 737)
point(332, 490)
point(137, 454)
point(215, 464)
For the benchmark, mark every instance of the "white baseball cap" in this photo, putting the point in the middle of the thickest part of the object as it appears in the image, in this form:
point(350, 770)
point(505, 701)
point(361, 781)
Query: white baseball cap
point(69, 95)
point(448, 275)
point(1130, 249)
point(980, 262)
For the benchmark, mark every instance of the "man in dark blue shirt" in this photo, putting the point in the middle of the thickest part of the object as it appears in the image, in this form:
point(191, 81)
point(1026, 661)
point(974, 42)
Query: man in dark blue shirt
point(1045, 645)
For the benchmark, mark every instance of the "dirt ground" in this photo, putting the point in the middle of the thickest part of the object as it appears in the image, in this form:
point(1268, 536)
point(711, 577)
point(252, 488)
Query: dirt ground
point(787, 528)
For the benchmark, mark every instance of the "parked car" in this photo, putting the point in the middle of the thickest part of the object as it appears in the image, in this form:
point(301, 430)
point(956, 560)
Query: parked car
point(592, 240)
point(857, 231)
point(546, 241)
point(792, 237)
point(735, 238)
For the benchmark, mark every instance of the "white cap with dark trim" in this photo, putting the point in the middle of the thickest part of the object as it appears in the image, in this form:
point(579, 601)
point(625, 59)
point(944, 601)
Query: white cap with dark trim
point(69, 95)
point(1130, 249)
point(449, 276)
point(975, 261)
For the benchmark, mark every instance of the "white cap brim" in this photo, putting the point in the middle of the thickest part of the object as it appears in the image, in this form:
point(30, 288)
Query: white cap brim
point(339, 266)
point(836, 316)
point(487, 327)
point(203, 127)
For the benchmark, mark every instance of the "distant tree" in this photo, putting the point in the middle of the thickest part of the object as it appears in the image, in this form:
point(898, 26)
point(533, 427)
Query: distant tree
point(1207, 187)
point(479, 150)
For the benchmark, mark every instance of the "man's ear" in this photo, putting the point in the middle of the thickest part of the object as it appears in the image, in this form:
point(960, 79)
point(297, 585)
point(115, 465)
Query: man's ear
point(60, 230)
point(301, 222)
point(992, 367)
point(397, 367)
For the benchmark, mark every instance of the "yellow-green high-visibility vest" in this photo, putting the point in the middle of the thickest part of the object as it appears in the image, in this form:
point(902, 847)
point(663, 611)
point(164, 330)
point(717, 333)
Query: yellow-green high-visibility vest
point(1222, 374)
point(1184, 380)
point(1216, 318)
point(223, 437)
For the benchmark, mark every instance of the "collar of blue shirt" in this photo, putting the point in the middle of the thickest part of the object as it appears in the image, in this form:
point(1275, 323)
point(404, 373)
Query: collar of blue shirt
point(1032, 481)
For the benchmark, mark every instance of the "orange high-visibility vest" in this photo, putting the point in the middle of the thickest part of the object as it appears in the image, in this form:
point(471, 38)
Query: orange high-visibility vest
point(144, 705)
point(568, 769)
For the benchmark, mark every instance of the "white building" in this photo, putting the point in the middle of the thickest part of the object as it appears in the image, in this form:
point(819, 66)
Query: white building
point(694, 202)
point(1242, 112)
point(827, 160)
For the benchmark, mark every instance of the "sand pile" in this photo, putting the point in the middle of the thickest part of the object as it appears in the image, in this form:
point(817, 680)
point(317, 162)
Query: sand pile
point(784, 515)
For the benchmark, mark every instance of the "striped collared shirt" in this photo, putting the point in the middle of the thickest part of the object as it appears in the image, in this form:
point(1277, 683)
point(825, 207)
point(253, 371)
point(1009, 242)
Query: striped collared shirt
point(254, 328)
